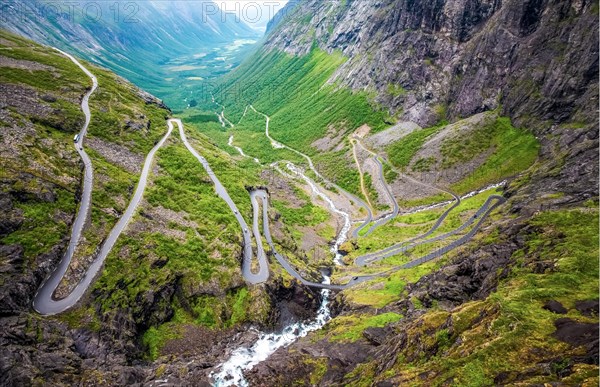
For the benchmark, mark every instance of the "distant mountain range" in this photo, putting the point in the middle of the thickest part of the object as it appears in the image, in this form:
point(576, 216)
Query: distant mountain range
point(134, 39)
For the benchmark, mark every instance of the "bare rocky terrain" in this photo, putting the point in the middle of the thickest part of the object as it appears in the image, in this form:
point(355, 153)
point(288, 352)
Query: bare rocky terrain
point(456, 58)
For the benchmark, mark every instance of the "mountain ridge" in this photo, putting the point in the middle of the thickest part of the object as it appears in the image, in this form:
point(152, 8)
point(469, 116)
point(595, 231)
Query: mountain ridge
point(404, 105)
point(145, 42)
point(466, 55)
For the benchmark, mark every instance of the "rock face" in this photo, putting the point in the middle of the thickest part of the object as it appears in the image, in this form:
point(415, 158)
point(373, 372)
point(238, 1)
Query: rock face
point(338, 358)
point(555, 307)
point(579, 334)
point(537, 61)
point(455, 58)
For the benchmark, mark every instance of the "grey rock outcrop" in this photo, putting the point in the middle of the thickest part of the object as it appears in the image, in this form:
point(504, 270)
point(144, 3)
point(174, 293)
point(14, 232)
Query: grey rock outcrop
point(537, 62)
point(455, 58)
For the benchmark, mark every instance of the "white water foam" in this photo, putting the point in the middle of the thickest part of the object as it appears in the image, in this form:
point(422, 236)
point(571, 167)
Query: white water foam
point(243, 359)
point(347, 221)
point(240, 150)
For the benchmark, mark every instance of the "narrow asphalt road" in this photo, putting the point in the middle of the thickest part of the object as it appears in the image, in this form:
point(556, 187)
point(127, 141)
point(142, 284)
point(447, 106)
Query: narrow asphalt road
point(396, 208)
point(43, 302)
point(410, 244)
point(376, 256)
point(405, 245)
point(221, 115)
point(482, 214)
point(46, 304)
point(361, 174)
point(263, 196)
point(263, 273)
point(353, 198)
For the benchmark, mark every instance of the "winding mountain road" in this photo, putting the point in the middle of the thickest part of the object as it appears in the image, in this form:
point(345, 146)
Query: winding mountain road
point(262, 195)
point(44, 302)
point(224, 121)
point(409, 244)
point(353, 198)
point(395, 249)
point(481, 214)
point(396, 208)
point(278, 145)
point(406, 245)
point(263, 273)
point(361, 174)
point(240, 150)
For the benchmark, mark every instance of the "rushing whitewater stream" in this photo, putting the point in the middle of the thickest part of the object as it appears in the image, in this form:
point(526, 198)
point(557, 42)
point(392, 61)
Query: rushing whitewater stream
point(245, 358)
point(240, 150)
point(347, 221)
point(242, 359)
point(231, 372)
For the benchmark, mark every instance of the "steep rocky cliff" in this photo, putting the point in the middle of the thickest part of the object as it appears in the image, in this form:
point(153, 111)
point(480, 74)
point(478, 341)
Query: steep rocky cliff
point(430, 60)
point(512, 306)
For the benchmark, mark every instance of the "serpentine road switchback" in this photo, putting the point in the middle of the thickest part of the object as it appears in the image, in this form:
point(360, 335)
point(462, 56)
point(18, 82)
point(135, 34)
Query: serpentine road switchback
point(263, 196)
point(45, 303)
point(353, 198)
point(481, 214)
point(249, 275)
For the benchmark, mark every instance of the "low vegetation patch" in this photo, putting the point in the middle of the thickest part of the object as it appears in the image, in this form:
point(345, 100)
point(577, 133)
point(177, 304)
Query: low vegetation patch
point(402, 152)
point(302, 107)
point(515, 150)
point(348, 329)
point(307, 214)
point(504, 338)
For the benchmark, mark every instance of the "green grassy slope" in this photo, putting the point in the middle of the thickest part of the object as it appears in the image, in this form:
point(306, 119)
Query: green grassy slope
point(177, 263)
point(508, 337)
point(506, 151)
point(168, 50)
point(37, 123)
point(302, 106)
point(505, 337)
